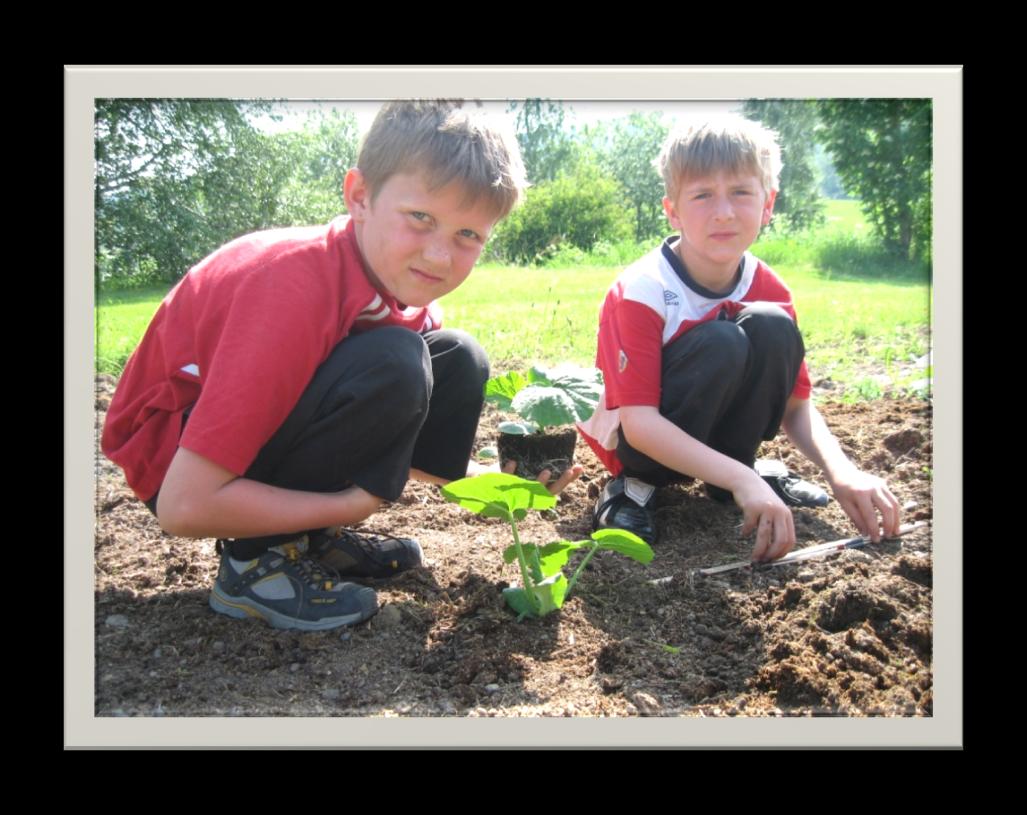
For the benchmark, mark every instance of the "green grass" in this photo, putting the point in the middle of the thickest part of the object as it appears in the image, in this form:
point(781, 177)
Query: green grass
point(865, 316)
point(528, 315)
point(121, 320)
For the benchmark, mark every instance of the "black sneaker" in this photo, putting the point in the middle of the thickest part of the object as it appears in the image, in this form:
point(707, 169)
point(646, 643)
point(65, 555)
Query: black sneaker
point(288, 590)
point(360, 554)
point(627, 503)
point(789, 487)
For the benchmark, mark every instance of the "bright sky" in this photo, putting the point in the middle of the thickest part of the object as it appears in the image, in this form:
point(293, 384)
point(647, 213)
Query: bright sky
point(576, 113)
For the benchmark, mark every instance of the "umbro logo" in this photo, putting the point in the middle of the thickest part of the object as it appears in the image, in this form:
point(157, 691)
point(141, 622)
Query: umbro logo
point(670, 298)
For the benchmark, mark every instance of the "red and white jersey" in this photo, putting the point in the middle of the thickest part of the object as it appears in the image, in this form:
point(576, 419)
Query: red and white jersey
point(652, 303)
point(238, 340)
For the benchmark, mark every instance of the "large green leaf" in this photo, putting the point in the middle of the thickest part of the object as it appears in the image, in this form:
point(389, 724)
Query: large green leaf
point(581, 387)
point(500, 390)
point(546, 406)
point(627, 543)
point(498, 495)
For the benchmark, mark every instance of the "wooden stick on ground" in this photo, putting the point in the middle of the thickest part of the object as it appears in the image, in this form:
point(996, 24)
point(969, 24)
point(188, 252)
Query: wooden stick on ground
point(818, 550)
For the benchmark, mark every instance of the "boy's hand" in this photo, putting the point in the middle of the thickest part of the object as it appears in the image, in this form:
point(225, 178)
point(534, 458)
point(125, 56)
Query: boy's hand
point(572, 473)
point(767, 515)
point(862, 496)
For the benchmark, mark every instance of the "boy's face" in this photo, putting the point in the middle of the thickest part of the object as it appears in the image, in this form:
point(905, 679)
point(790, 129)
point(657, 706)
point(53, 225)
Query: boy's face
point(719, 217)
point(417, 245)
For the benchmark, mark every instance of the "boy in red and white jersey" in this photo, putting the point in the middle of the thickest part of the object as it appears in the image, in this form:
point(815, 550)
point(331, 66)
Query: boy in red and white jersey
point(702, 357)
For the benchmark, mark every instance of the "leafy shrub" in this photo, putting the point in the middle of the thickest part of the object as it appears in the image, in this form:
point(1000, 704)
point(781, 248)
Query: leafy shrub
point(575, 210)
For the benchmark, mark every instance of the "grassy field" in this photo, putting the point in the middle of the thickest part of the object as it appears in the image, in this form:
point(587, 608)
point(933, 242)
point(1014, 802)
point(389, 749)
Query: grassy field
point(865, 318)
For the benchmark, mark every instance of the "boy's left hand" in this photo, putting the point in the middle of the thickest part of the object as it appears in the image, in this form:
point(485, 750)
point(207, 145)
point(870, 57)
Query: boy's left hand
point(862, 496)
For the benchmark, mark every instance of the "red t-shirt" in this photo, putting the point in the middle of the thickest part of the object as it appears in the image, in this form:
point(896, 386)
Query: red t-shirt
point(650, 306)
point(238, 340)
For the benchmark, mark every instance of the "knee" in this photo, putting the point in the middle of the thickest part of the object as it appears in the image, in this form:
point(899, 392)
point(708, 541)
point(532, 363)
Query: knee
point(389, 362)
point(717, 344)
point(768, 323)
point(710, 359)
point(403, 357)
point(459, 359)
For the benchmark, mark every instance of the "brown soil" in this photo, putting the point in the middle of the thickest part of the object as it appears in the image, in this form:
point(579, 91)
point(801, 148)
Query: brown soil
point(553, 451)
point(849, 635)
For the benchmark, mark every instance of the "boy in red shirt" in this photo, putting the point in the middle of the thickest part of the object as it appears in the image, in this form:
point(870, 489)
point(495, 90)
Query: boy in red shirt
point(294, 379)
point(702, 358)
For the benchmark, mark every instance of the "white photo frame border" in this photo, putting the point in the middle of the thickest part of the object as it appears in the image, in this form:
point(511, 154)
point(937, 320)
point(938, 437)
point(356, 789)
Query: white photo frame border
point(84, 84)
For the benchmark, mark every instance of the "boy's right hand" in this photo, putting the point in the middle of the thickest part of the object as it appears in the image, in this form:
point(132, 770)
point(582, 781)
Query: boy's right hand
point(768, 516)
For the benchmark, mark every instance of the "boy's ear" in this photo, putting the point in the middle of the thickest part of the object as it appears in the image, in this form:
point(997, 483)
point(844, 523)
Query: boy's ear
point(671, 213)
point(356, 194)
point(768, 207)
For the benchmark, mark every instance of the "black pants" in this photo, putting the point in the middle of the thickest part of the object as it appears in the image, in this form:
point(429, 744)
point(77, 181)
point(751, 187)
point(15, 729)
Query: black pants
point(384, 401)
point(726, 383)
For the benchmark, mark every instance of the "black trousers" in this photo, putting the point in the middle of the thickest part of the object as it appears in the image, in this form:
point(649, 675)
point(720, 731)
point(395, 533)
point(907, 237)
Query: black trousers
point(384, 401)
point(726, 383)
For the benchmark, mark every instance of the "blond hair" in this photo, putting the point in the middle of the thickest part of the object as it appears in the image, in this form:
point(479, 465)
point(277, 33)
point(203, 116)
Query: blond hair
point(702, 146)
point(446, 142)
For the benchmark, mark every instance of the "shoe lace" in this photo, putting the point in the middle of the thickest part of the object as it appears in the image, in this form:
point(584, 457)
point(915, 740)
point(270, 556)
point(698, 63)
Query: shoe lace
point(315, 574)
point(370, 543)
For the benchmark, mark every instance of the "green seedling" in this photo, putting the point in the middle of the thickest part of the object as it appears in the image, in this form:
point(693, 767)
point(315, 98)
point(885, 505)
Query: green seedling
point(545, 587)
point(545, 397)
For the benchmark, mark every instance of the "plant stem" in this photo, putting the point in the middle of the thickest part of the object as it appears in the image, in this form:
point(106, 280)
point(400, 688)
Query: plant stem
point(581, 567)
point(529, 584)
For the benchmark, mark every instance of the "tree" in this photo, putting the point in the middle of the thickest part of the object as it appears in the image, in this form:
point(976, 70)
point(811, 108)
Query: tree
point(547, 148)
point(882, 149)
point(175, 179)
point(794, 120)
point(626, 148)
point(322, 152)
point(150, 154)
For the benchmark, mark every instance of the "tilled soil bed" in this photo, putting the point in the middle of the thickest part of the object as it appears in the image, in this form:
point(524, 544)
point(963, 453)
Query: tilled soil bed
point(850, 635)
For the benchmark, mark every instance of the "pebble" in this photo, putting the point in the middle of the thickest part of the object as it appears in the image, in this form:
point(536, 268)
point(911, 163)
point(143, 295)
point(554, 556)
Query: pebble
point(389, 617)
point(117, 621)
point(647, 704)
point(345, 636)
point(805, 575)
point(294, 667)
point(218, 647)
point(448, 708)
point(157, 653)
point(492, 688)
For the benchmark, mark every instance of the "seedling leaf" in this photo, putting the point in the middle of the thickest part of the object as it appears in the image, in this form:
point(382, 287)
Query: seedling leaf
point(499, 495)
point(546, 406)
point(626, 543)
point(551, 558)
point(550, 593)
point(500, 390)
point(548, 396)
point(518, 428)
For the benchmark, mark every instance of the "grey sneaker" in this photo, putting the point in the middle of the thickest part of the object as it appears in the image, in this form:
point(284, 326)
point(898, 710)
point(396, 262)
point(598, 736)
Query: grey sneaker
point(363, 554)
point(289, 590)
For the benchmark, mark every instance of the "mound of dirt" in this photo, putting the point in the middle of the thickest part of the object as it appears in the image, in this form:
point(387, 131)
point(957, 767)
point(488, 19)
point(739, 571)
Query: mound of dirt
point(848, 635)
